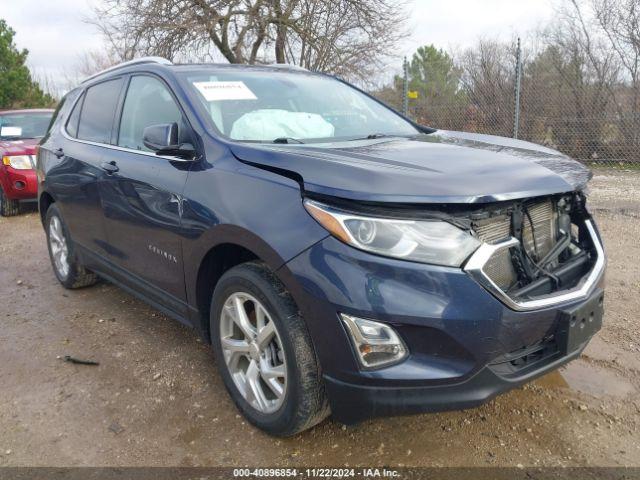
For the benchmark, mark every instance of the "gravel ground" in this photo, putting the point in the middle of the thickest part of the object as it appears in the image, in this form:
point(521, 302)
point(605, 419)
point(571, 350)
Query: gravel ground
point(156, 398)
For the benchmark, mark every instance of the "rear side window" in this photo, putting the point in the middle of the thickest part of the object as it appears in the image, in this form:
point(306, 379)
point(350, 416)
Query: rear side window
point(148, 102)
point(98, 110)
point(72, 123)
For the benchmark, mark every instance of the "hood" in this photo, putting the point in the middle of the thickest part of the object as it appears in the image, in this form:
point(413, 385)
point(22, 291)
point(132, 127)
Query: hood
point(441, 167)
point(19, 147)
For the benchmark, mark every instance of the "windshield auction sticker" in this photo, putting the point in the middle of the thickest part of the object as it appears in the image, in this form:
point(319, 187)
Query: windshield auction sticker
point(216, 91)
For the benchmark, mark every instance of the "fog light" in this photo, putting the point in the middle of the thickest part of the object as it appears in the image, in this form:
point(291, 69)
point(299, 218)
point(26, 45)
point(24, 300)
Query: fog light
point(19, 185)
point(376, 344)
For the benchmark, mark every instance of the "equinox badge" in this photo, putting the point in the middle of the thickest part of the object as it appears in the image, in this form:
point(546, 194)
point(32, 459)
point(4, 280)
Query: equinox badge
point(162, 253)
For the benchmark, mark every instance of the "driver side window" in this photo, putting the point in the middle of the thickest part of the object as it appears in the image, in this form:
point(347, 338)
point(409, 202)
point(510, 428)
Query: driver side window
point(148, 102)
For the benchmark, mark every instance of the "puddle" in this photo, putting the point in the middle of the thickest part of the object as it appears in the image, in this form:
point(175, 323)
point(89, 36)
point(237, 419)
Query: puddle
point(590, 379)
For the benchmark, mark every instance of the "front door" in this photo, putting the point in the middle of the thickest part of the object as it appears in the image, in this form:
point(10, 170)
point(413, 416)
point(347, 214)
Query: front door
point(142, 198)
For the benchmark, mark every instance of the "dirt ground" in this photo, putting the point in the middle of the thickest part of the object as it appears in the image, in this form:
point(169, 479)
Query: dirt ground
point(156, 398)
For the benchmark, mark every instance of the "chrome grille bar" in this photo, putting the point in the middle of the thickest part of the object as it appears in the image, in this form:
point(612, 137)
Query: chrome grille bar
point(476, 268)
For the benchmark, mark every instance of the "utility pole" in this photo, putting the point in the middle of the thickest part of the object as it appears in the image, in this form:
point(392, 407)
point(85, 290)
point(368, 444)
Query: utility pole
point(516, 110)
point(405, 87)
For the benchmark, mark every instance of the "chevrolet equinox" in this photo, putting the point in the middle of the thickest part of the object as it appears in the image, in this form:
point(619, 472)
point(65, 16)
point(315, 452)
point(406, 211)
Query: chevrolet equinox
point(339, 257)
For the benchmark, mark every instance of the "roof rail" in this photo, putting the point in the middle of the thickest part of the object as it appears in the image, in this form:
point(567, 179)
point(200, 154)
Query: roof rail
point(136, 61)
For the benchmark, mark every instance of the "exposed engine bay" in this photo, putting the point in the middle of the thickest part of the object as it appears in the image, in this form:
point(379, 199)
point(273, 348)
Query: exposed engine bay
point(554, 250)
point(531, 248)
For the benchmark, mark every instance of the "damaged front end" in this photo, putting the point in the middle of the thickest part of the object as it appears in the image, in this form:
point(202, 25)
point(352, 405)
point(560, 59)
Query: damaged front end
point(537, 252)
point(530, 254)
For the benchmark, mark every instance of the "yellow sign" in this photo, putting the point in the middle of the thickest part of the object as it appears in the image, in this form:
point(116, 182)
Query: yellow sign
point(412, 94)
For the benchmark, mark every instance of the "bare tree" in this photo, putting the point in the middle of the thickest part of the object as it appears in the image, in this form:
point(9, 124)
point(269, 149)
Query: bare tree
point(619, 22)
point(94, 61)
point(488, 80)
point(347, 37)
point(605, 35)
point(580, 88)
point(350, 38)
point(174, 28)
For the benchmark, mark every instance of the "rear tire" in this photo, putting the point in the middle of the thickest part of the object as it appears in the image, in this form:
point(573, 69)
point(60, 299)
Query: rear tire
point(69, 272)
point(8, 208)
point(287, 350)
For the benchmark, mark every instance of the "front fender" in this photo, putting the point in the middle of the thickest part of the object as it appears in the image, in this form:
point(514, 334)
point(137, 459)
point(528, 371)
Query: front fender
point(241, 205)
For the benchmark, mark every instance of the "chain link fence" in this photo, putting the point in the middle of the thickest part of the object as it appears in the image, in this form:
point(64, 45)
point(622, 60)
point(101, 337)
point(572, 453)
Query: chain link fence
point(591, 123)
point(592, 137)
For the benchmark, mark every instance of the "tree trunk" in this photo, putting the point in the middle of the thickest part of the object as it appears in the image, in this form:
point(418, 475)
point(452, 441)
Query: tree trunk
point(281, 40)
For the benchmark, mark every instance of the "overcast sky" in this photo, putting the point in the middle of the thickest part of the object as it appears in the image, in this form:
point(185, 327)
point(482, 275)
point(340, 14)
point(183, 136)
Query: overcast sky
point(55, 34)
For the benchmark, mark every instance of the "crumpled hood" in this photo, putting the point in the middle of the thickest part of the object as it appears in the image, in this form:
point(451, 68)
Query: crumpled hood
point(442, 167)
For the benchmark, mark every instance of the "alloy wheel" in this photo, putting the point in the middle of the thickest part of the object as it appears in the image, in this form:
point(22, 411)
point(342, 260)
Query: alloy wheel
point(253, 352)
point(59, 247)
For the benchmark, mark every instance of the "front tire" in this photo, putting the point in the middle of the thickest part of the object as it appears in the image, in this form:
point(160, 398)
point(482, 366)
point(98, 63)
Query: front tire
point(264, 352)
point(69, 272)
point(8, 208)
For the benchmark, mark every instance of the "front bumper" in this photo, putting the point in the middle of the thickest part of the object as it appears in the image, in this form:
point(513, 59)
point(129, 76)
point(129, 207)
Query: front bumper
point(355, 403)
point(18, 184)
point(463, 341)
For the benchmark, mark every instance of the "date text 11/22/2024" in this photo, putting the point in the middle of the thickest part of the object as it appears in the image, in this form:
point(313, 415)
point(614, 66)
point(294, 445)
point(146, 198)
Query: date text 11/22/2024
point(316, 472)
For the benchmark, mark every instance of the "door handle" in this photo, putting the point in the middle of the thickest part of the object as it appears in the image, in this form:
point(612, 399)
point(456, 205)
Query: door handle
point(109, 167)
point(59, 153)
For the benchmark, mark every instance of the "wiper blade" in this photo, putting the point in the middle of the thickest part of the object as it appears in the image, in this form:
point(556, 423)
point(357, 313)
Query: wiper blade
point(373, 136)
point(287, 140)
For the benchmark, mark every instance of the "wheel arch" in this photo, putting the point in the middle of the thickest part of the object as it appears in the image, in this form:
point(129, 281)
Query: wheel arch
point(216, 262)
point(228, 246)
point(45, 200)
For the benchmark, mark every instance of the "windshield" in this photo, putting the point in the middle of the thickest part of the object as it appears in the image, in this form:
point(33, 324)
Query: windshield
point(285, 107)
point(16, 126)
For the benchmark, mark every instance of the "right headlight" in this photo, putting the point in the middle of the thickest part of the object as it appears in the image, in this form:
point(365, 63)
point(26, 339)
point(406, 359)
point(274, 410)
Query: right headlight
point(427, 241)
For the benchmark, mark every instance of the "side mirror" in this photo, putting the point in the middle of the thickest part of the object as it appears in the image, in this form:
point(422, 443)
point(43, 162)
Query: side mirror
point(164, 140)
point(159, 137)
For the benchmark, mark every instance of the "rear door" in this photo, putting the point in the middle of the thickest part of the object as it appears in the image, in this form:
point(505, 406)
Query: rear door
point(142, 198)
point(75, 155)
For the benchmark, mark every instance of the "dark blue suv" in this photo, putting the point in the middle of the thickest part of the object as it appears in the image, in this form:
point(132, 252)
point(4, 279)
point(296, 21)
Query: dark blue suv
point(339, 257)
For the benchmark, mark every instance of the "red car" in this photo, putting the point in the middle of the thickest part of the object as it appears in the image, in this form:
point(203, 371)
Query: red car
point(20, 132)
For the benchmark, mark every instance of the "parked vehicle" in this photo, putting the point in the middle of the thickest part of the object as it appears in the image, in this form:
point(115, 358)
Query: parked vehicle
point(20, 132)
point(339, 257)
